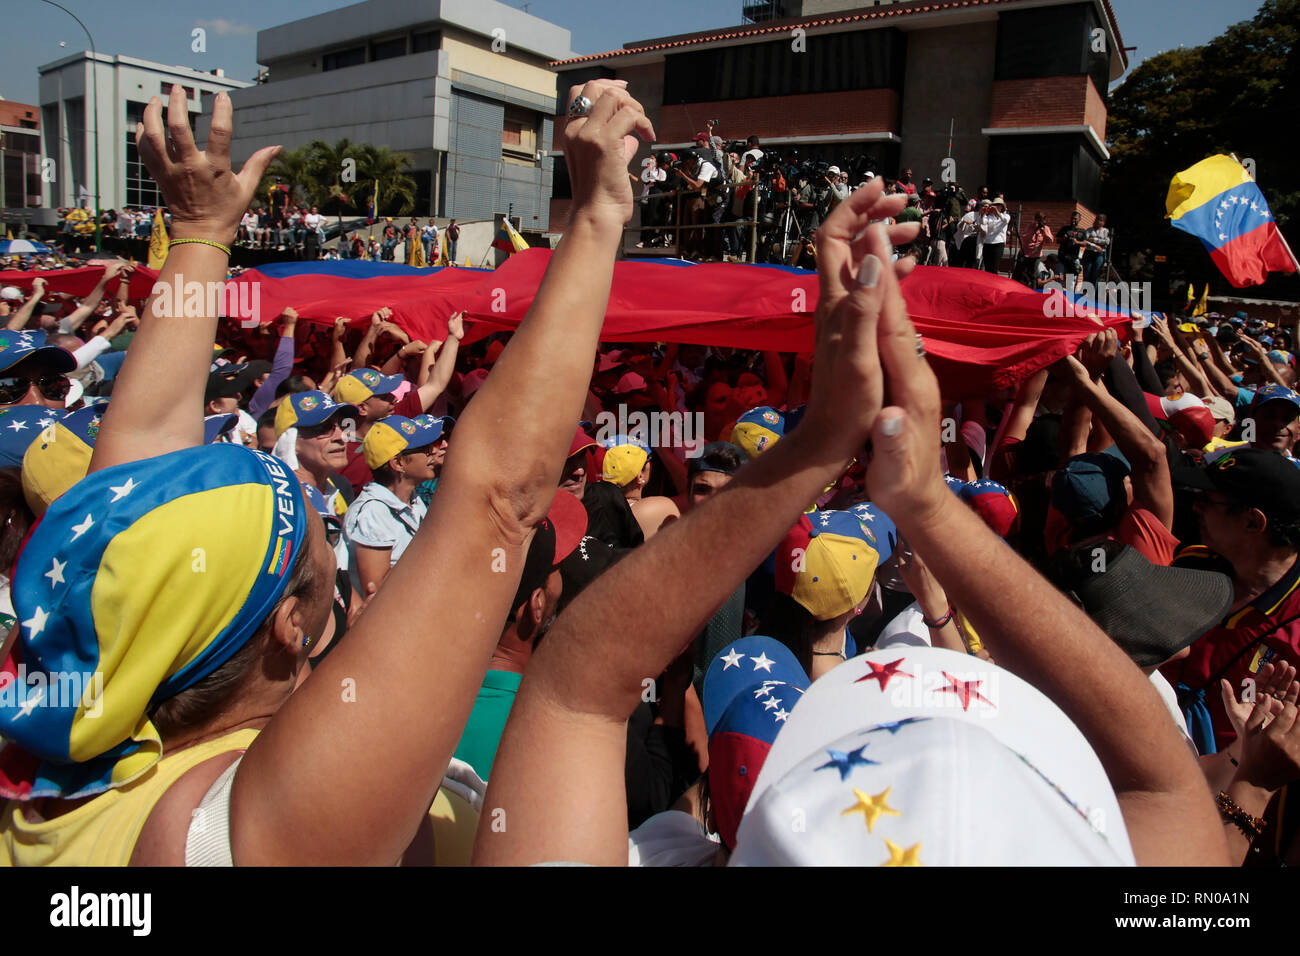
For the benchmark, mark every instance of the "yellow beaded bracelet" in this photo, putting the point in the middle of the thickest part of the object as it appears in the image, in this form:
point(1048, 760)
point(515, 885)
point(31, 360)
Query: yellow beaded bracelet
point(205, 242)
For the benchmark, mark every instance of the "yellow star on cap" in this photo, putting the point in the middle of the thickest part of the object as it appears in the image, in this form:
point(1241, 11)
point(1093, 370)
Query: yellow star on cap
point(900, 857)
point(871, 807)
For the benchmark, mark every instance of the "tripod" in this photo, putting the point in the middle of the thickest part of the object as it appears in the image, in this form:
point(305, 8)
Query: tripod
point(789, 220)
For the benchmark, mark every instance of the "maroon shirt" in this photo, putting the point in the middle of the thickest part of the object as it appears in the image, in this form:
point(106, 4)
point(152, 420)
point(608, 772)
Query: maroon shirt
point(356, 470)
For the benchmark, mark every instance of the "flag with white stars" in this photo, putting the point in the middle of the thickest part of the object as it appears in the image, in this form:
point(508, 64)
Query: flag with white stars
point(1217, 202)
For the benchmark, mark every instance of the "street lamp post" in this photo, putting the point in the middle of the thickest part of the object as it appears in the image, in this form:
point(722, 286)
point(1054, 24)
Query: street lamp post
point(94, 107)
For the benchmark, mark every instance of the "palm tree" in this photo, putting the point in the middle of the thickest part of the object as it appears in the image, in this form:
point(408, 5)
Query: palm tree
point(380, 164)
point(297, 169)
point(336, 193)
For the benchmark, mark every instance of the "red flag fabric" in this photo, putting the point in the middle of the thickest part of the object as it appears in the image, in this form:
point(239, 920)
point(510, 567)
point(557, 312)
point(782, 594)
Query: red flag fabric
point(1248, 259)
point(982, 332)
point(82, 281)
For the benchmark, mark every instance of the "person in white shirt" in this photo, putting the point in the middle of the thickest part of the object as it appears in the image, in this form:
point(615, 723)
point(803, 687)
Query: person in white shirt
point(384, 517)
point(968, 240)
point(993, 234)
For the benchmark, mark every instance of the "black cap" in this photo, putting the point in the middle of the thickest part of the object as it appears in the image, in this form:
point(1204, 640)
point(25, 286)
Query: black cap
point(1256, 478)
point(1151, 612)
point(228, 381)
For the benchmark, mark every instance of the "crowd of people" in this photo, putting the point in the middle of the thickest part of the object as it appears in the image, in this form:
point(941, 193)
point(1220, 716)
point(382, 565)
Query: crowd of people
point(303, 557)
point(736, 200)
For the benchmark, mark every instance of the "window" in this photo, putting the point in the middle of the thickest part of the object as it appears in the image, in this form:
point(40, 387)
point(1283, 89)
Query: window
point(140, 189)
point(865, 60)
point(519, 136)
point(561, 188)
point(1051, 41)
point(424, 42)
point(1045, 168)
point(190, 92)
point(387, 49)
point(340, 59)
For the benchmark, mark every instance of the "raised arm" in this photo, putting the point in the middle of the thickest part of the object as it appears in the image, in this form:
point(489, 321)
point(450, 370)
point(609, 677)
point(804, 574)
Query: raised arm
point(441, 609)
point(19, 319)
point(281, 365)
point(171, 353)
point(1152, 486)
point(72, 321)
point(435, 375)
point(558, 774)
point(1167, 808)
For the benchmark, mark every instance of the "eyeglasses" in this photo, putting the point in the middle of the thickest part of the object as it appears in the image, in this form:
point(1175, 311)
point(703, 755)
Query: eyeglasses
point(14, 387)
point(333, 529)
point(323, 430)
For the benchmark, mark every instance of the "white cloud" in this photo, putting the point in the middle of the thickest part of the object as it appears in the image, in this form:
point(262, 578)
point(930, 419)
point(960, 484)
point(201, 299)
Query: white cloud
point(226, 27)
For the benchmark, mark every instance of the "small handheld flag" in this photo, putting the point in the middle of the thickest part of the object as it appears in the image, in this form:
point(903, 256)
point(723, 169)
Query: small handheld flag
point(158, 241)
point(1217, 202)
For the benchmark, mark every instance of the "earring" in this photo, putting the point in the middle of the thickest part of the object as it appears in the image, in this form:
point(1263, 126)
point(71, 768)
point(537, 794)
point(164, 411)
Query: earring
point(306, 641)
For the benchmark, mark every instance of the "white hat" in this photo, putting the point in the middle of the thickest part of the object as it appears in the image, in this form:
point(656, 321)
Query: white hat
point(870, 176)
point(921, 755)
point(11, 293)
point(834, 169)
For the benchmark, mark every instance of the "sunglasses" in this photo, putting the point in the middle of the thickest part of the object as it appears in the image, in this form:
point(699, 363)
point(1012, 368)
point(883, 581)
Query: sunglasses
point(323, 430)
point(333, 529)
point(14, 387)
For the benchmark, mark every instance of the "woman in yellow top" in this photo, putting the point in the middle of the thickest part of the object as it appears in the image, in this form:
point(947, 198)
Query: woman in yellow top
point(168, 602)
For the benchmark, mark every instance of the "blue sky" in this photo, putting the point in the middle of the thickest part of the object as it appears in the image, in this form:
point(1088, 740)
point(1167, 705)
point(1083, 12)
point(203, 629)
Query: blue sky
point(161, 31)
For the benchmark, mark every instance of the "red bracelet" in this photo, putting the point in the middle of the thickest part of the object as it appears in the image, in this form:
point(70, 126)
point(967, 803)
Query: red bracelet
point(942, 622)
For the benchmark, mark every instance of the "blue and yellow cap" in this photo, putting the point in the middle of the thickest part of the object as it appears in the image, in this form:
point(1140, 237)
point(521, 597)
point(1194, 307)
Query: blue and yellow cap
point(389, 437)
point(59, 457)
point(827, 563)
point(307, 409)
point(138, 583)
point(19, 427)
point(437, 426)
point(364, 383)
point(758, 430)
point(624, 459)
point(25, 344)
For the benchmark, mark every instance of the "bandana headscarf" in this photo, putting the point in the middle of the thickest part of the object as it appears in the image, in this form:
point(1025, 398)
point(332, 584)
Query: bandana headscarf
point(139, 582)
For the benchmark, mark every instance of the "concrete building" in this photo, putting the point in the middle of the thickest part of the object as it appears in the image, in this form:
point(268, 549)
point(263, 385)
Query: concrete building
point(1004, 93)
point(20, 154)
point(84, 99)
point(462, 86)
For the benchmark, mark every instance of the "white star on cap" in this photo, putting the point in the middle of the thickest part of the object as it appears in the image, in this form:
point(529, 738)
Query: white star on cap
point(83, 527)
point(771, 703)
point(17, 426)
point(733, 659)
point(765, 689)
point(121, 491)
point(46, 422)
point(781, 715)
point(761, 662)
point(55, 573)
point(29, 705)
point(36, 623)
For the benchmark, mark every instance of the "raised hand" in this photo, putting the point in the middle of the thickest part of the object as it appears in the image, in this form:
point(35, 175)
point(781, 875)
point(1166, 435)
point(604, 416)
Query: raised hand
point(456, 326)
point(859, 286)
point(599, 146)
point(1270, 743)
point(206, 198)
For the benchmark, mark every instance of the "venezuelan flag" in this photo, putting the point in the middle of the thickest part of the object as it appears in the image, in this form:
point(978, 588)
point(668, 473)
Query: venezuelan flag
point(1217, 202)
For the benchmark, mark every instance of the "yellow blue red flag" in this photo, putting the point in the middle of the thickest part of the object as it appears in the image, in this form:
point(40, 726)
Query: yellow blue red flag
point(1217, 202)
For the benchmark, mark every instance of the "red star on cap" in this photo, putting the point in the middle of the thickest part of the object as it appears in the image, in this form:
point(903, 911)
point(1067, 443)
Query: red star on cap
point(884, 673)
point(966, 689)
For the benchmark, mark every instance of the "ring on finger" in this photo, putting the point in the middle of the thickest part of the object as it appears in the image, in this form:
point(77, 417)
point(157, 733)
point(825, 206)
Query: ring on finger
point(581, 106)
point(920, 345)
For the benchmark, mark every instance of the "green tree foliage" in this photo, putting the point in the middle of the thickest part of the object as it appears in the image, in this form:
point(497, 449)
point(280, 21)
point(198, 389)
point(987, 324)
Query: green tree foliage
point(315, 175)
point(1239, 93)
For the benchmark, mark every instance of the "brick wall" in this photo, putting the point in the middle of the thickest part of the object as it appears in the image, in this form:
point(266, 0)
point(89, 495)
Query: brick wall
point(809, 114)
point(1047, 101)
point(15, 114)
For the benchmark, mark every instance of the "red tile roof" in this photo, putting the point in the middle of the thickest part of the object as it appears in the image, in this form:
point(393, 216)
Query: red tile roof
point(782, 26)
